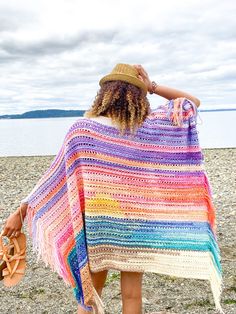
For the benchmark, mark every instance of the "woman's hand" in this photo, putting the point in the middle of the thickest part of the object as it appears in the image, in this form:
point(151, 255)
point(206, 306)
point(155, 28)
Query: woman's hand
point(164, 91)
point(13, 224)
point(143, 76)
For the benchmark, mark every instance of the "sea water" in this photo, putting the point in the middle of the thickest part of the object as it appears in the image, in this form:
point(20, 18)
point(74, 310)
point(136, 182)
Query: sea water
point(38, 137)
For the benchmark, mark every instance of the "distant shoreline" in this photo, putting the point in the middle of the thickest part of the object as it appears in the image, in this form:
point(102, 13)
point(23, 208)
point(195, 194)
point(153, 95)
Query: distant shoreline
point(62, 117)
point(213, 110)
point(42, 114)
point(57, 113)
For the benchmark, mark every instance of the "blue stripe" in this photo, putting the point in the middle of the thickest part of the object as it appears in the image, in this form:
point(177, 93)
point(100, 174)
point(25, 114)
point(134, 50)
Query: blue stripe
point(187, 235)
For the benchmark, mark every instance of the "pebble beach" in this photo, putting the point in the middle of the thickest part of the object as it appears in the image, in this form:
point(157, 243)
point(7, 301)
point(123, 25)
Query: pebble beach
point(42, 291)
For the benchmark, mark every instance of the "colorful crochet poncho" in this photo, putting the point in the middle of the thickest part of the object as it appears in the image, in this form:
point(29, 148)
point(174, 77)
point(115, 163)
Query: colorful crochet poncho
point(142, 203)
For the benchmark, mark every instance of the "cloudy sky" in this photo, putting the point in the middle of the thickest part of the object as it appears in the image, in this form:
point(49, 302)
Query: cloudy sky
point(53, 53)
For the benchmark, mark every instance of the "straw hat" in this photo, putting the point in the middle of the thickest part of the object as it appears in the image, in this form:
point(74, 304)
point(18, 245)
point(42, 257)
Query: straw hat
point(126, 73)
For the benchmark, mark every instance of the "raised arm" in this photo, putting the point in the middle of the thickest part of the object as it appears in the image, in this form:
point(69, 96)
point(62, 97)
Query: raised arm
point(171, 93)
point(164, 91)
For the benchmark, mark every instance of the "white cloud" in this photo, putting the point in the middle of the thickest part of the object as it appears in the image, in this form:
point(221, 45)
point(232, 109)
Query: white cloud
point(53, 53)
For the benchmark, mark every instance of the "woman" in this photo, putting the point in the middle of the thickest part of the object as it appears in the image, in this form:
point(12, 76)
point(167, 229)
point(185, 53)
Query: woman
point(121, 104)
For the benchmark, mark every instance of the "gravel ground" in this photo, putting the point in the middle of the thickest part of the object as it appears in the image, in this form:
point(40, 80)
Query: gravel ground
point(42, 291)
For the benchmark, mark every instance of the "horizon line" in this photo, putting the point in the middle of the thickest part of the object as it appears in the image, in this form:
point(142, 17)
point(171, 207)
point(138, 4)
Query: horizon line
point(199, 109)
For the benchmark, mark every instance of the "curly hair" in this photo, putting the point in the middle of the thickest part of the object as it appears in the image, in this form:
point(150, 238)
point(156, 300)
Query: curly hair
point(123, 102)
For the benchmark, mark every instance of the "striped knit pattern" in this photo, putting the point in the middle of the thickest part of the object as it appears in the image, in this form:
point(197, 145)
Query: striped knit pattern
point(139, 203)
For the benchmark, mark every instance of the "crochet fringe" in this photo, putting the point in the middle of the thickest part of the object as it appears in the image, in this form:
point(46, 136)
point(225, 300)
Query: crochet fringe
point(50, 258)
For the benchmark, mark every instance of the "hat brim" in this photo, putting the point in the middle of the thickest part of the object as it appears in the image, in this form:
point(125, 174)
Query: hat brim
point(124, 77)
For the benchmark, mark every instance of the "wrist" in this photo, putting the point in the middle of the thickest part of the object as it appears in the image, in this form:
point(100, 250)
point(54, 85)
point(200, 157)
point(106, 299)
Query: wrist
point(152, 89)
point(23, 209)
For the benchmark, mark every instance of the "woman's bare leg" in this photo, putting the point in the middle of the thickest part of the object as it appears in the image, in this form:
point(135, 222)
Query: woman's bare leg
point(99, 280)
point(131, 291)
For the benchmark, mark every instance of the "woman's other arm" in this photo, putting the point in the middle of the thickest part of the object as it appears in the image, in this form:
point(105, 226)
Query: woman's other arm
point(171, 93)
point(13, 223)
point(164, 91)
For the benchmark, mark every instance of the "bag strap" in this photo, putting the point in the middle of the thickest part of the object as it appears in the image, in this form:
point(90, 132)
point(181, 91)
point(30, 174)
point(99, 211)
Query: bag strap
point(21, 217)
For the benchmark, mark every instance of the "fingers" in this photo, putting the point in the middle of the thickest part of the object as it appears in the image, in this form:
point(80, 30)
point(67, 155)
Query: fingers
point(12, 225)
point(17, 233)
point(144, 72)
point(4, 231)
point(10, 233)
point(140, 69)
point(14, 233)
point(136, 66)
point(140, 77)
